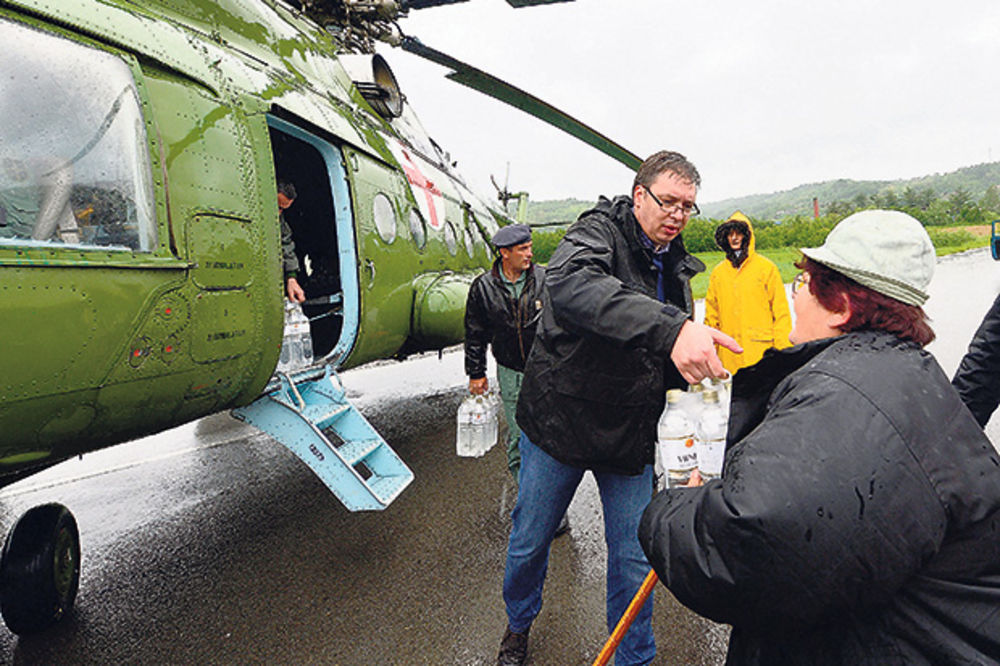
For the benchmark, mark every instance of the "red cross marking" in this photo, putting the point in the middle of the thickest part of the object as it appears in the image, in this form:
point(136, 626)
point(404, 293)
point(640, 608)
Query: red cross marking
point(419, 180)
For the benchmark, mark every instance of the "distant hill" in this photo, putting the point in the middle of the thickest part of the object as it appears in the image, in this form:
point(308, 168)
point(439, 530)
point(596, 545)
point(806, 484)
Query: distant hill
point(556, 211)
point(798, 201)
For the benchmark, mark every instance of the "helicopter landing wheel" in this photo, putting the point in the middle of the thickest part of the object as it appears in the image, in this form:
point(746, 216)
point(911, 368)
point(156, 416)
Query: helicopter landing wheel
point(39, 569)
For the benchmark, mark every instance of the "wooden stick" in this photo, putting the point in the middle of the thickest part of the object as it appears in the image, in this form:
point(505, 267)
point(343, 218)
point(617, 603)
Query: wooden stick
point(627, 618)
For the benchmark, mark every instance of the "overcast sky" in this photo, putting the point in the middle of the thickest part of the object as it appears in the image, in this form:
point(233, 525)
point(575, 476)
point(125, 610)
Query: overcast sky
point(762, 96)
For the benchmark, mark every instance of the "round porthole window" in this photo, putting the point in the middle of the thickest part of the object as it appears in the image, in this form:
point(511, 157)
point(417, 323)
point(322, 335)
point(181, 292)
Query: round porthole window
point(450, 241)
point(385, 217)
point(417, 229)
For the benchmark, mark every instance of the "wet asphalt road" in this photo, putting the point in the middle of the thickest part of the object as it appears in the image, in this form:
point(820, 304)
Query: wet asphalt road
point(210, 544)
point(222, 548)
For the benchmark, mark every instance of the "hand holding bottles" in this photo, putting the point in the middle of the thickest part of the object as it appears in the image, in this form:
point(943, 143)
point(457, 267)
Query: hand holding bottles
point(476, 427)
point(695, 480)
point(296, 343)
point(691, 436)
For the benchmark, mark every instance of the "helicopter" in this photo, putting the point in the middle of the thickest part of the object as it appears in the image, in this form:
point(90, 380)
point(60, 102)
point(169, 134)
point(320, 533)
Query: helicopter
point(140, 254)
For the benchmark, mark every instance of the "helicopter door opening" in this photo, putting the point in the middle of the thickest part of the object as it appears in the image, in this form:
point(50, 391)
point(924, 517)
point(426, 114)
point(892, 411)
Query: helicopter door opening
point(323, 232)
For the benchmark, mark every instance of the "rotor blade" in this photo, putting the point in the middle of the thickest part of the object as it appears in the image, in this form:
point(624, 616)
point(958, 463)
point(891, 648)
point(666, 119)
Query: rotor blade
point(519, 99)
point(532, 3)
point(424, 4)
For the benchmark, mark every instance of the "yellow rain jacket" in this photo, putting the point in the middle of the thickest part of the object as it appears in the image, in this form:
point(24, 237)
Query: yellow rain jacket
point(747, 303)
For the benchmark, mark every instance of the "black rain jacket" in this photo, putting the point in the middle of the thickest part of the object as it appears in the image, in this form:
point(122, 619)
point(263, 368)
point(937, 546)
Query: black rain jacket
point(978, 376)
point(857, 520)
point(492, 317)
point(595, 380)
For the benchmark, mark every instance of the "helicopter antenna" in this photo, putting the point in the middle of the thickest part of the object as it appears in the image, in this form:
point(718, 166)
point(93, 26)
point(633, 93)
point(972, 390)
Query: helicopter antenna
point(503, 193)
point(506, 188)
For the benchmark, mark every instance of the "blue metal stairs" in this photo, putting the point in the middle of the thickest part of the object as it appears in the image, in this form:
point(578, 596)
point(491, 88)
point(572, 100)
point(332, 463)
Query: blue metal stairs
point(362, 470)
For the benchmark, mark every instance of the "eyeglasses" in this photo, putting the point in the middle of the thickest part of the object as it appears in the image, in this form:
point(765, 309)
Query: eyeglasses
point(670, 205)
point(799, 281)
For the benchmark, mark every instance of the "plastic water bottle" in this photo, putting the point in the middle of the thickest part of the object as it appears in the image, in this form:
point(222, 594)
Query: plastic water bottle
point(476, 426)
point(296, 343)
point(724, 389)
point(675, 441)
point(496, 404)
point(693, 401)
point(710, 436)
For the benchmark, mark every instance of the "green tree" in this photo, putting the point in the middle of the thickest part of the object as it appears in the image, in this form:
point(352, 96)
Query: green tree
point(991, 200)
point(937, 213)
point(911, 198)
point(842, 208)
point(886, 199)
point(926, 197)
point(699, 235)
point(958, 201)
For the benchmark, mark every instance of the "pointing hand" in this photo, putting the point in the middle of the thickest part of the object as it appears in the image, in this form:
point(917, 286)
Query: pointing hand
point(694, 352)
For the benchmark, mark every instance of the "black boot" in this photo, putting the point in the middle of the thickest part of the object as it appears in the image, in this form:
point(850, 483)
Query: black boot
point(513, 648)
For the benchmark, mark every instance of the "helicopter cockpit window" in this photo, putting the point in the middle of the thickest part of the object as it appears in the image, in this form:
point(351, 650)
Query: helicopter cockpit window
point(385, 217)
point(74, 165)
point(417, 229)
point(450, 240)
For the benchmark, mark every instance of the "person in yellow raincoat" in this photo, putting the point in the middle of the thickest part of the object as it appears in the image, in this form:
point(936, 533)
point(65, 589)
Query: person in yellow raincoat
point(746, 298)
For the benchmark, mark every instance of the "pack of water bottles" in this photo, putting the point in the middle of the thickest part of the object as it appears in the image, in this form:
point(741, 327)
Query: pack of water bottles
point(691, 434)
point(477, 425)
point(296, 343)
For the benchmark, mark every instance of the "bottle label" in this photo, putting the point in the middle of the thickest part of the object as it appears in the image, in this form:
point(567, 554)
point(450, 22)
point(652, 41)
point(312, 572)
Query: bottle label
point(678, 453)
point(711, 455)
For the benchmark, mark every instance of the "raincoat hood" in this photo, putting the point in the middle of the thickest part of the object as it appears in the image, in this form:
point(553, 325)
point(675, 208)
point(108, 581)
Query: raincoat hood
point(740, 222)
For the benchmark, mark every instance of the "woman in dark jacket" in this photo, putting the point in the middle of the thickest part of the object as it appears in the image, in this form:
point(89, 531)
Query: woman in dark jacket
point(858, 517)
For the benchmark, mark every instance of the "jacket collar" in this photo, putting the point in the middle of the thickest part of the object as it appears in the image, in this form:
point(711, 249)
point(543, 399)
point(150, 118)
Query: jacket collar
point(753, 385)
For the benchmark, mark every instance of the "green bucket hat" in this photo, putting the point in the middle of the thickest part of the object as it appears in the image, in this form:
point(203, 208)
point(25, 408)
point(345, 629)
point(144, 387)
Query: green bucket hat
point(884, 250)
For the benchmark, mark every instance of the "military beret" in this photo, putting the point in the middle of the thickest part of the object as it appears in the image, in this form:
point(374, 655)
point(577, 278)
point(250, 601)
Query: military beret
point(512, 234)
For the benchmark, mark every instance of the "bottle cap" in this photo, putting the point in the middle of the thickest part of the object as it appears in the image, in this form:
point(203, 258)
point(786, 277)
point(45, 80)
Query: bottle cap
point(710, 395)
point(674, 396)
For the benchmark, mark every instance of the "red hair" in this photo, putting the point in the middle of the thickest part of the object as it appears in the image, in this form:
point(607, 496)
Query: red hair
point(870, 310)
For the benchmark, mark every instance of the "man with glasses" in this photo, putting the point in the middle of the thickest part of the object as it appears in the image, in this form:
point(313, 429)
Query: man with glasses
point(616, 332)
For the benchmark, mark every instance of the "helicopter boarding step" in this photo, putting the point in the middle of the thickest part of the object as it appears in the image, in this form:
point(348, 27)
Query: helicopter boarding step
point(362, 470)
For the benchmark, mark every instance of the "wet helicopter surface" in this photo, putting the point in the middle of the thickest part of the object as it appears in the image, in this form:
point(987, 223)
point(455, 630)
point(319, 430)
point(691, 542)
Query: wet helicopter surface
point(143, 256)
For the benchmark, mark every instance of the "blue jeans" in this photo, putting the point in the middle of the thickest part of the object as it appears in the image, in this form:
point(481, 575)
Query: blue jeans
point(544, 493)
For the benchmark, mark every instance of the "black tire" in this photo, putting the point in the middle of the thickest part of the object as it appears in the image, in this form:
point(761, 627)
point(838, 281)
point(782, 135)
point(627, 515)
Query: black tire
point(39, 569)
